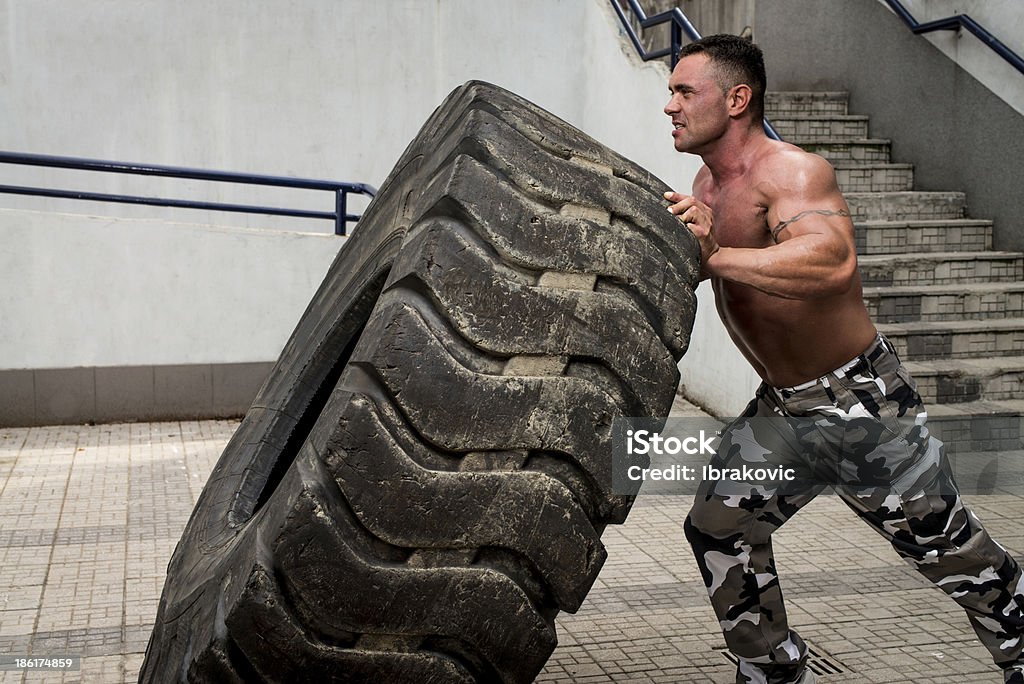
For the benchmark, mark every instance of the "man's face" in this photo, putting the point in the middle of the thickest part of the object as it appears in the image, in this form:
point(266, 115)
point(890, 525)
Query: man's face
point(697, 106)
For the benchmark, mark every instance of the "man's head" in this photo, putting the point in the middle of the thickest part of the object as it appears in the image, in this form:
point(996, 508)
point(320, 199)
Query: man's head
point(736, 61)
point(718, 82)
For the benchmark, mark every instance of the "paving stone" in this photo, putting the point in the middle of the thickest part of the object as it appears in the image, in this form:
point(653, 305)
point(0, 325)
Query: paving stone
point(96, 512)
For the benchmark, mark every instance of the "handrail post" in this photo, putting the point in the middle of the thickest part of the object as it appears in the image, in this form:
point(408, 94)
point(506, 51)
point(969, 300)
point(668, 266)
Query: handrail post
point(677, 42)
point(341, 209)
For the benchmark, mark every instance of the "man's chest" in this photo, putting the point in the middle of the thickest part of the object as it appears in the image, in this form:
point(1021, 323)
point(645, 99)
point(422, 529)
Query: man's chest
point(739, 218)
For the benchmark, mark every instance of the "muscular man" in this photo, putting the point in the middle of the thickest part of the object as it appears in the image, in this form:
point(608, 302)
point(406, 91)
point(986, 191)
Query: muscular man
point(835, 403)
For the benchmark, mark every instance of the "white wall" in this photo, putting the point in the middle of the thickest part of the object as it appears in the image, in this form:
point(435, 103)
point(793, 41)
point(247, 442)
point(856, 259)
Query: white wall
point(83, 290)
point(318, 88)
point(715, 374)
point(1002, 18)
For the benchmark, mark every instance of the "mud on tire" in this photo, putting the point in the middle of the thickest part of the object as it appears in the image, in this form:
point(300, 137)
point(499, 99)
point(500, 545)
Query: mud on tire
point(421, 484)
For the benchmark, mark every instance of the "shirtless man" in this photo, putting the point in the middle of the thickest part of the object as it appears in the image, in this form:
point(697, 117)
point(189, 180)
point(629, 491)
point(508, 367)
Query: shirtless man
point(777, 243)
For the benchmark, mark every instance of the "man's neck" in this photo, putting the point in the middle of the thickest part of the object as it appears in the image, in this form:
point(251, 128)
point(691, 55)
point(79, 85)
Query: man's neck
point(732, 153)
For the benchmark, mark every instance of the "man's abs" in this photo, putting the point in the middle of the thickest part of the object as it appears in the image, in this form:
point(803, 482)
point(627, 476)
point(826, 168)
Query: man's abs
point(791, 341)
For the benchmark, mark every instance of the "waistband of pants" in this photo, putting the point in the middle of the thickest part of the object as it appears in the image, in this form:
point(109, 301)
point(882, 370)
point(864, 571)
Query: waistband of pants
point(863, 361)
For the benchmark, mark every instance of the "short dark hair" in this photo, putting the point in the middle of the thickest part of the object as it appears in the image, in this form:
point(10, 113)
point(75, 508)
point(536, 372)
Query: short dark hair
point(738, 61)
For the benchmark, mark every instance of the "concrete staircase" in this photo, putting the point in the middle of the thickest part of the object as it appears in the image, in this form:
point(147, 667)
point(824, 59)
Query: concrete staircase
point(952, 306)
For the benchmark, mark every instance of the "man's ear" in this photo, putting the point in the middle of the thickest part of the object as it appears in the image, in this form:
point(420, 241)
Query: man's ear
point(738, 99)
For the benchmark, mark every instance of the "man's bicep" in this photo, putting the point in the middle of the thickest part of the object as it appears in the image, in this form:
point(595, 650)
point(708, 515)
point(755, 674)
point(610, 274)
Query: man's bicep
point(811, 204)
point(835, 220)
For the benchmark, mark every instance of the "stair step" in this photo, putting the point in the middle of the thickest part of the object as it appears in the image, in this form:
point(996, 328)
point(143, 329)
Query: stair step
point(868, 150)
point(906, 206)
point(876, 177)
point(972, 301)
point(950, 235)
point(924, 340)
point(977, 426)
point(956, 381)
point(982, 472)
point(788, 103)
point(835, 126)
point(940, 268)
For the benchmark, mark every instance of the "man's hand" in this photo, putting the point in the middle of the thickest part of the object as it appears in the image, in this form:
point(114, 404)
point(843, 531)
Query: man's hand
point(699, 218)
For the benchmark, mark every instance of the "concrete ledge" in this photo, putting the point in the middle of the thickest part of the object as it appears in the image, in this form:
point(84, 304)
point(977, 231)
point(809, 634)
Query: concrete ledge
point(54, 396)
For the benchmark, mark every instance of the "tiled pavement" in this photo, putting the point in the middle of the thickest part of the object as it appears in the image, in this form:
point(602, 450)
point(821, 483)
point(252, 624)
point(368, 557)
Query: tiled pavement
point(89, 516)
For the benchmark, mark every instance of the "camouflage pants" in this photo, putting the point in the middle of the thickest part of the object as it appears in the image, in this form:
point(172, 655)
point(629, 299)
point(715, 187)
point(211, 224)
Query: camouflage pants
point(861, 430)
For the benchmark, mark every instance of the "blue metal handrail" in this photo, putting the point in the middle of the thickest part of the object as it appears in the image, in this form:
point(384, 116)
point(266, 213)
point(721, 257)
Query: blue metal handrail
point(679, 25)
point(341, 190)
point(956, 23)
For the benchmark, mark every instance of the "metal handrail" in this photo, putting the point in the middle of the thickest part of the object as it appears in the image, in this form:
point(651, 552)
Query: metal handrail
point(955, 23)
point(341, 189)
point(679, 25)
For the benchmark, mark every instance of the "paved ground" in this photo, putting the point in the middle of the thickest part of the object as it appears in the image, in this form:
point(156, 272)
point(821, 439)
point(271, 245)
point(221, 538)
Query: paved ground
point(89, 516)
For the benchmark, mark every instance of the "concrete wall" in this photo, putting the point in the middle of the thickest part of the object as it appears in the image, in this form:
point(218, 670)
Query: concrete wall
point(133, 291)
point(1002, 18)
point(707, 16)
point(719, 16)
point(114, 317)
point(321, 88)
point(715, 374)
point(97, 299)
point(956, 132)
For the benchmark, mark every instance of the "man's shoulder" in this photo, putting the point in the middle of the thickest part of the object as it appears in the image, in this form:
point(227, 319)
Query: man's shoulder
point(785, 167)
point(783, 156)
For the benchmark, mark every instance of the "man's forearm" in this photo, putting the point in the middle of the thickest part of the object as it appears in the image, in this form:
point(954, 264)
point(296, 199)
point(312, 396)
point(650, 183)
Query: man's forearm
point(793, 271)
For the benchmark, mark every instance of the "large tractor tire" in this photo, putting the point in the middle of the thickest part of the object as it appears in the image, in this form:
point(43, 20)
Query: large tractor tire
point(421, 484)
